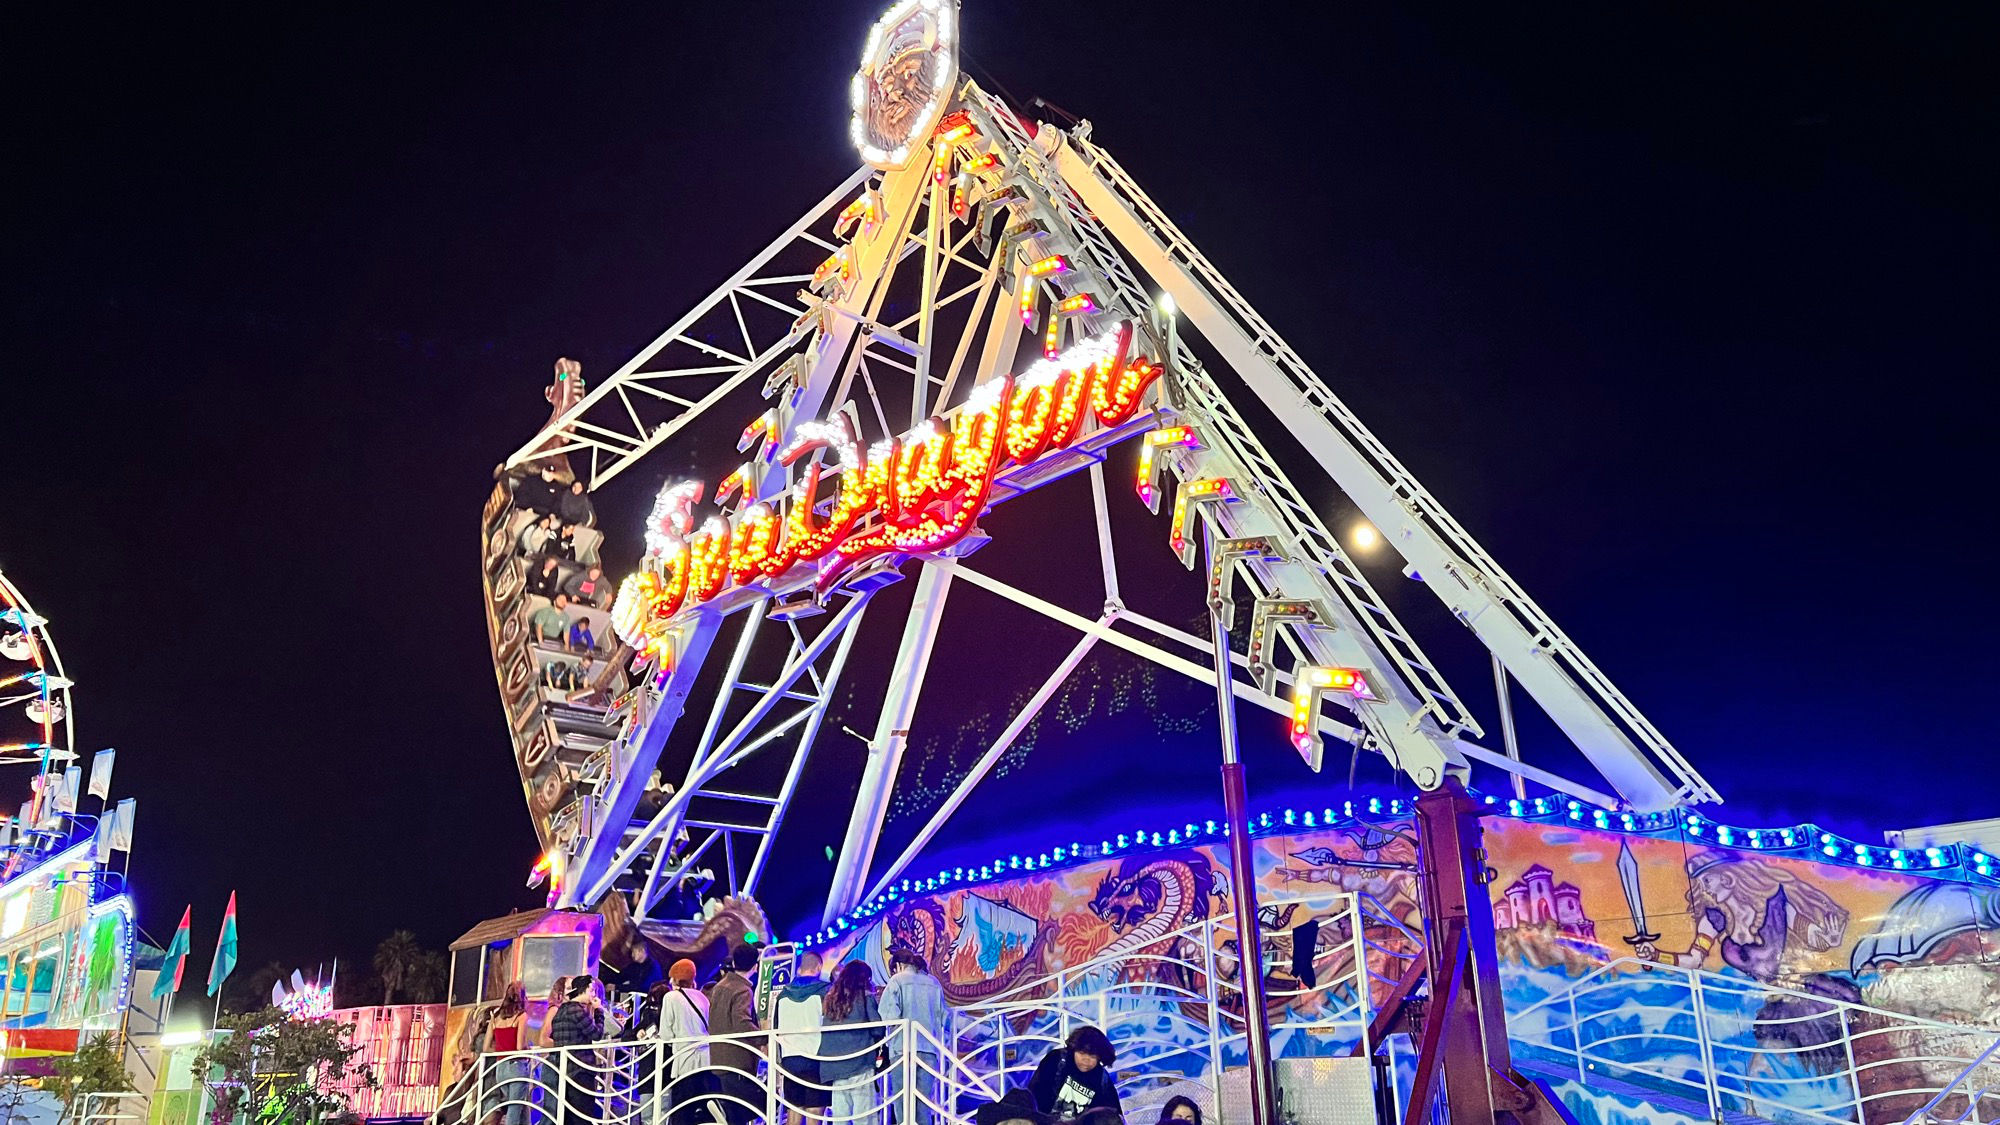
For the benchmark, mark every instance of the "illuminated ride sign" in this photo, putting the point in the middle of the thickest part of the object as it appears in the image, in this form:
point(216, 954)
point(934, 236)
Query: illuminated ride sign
point(918, 493)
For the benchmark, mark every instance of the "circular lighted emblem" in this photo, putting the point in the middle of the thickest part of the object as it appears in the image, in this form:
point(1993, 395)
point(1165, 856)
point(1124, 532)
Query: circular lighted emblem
point(906, 76)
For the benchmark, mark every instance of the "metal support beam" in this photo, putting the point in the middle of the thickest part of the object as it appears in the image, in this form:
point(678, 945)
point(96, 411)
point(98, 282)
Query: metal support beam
point(1549, 666)
point(635, 764)
point(1243, 883)
point(1465, 1030)
point(892, 734)
point(668, 819)
point(1513, 748)
point(806, 739)
point(986, 762)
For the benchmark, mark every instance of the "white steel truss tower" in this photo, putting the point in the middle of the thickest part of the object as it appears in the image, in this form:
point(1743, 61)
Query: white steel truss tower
point(906, 301)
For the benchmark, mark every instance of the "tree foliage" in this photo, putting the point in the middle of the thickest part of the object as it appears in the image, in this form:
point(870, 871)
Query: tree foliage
point(427, 980)
point(97, 1067)
point(397, 960)
point(278, 1067)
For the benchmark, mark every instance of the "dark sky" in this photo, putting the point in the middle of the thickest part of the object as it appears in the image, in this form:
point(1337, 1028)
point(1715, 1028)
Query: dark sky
point(1688, 316)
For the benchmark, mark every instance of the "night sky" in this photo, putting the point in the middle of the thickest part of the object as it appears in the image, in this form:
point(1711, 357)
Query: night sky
point(1688, 317)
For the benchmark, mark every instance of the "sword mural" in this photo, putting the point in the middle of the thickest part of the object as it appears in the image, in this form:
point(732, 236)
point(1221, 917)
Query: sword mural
point(1635, 898)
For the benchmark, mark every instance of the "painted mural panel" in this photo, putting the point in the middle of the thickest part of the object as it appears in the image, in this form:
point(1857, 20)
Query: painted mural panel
point(1613, 941)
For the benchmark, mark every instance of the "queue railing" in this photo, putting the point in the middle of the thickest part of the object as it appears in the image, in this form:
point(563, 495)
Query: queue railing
point(667, 1082)
point(1741, 1045)
point(1173, 1005)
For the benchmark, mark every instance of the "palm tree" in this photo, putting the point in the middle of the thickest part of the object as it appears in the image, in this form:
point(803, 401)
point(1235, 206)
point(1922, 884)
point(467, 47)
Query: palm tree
point(427, 978)
point(395, 960)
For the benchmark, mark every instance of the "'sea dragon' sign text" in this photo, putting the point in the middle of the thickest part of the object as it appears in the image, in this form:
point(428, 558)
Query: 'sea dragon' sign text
point(916, 493)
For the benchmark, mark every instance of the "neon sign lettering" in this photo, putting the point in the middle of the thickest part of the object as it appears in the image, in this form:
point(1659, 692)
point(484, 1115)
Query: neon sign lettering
point(920, 492)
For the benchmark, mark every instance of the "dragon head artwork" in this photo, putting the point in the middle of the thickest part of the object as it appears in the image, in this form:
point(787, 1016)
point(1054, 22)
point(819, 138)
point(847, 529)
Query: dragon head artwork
point(1148, 897)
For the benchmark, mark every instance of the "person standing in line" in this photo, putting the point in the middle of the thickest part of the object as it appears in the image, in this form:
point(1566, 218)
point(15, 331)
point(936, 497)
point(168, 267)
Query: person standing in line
point(506, 1092)
point(577, 1025)
point(648, 1071)
point(915, 995)
point(732, 1011)
point(1076, 1076)
point(847, 1054)
point(558, 994)
point(800, 1009)
point(684, 1026)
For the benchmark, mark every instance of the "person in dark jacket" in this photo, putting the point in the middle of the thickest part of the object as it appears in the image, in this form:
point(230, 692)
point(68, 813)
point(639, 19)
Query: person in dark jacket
point(732, 1011)
point(576, 1025)
point(1077, 1076)
point(547, 578)
point(574, 506)
point(1180, 1110)
point(538, 492)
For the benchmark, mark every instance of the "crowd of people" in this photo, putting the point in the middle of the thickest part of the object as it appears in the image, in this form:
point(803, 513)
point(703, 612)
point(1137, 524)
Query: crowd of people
point(836, 1053)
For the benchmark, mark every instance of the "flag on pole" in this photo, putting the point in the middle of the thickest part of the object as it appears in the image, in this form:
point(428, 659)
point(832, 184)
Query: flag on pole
point(6, 831)
point(72, 779)
point(100, 774)
point(100, 840)
point(171, 969)
point(121, 823)
point(225, 949)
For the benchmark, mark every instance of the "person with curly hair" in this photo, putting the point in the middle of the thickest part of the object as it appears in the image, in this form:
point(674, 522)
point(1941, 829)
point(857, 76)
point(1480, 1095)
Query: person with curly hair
point(1076, 1077)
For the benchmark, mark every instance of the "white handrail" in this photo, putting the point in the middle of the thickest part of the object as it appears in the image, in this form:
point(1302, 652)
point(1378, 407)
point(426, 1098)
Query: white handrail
point(1754, 1047)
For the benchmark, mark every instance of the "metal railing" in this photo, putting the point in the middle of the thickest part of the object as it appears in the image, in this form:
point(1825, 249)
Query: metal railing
point(1744, 1046)
point(1978, 1100)
point(656, 1081)
point(1173, 1008)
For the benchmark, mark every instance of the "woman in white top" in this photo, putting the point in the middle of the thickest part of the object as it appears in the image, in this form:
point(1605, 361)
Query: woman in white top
point(684, 1025)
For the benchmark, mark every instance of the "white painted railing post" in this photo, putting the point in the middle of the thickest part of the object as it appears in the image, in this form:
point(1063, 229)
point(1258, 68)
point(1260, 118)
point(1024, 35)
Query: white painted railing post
point(483, 1064)
point(907, 1112)
point(1853, 1073)
point(1707, 1048)
point(1214, 1013)
point(1576, 1037)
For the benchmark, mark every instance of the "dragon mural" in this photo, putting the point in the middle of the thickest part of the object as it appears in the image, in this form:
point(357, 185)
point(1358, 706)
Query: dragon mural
point(1146, 898)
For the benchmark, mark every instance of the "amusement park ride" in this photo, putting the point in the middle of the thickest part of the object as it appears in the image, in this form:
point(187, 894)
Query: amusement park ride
point(67, 926)
point(988, 306)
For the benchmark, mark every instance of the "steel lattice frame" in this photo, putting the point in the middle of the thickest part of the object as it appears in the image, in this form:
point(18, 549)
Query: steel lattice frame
point(816, 317)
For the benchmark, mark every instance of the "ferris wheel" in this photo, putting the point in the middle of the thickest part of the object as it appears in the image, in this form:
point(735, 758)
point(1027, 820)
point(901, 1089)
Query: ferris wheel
point(37, 724)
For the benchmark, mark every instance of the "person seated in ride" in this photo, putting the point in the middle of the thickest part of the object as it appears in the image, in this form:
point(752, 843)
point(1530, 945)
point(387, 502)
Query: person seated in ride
point(1077, 1076)
point(538, 492)
point(1180, 1110)
point(537, 537)
point(580, 637)
point(551, 622)
point(546, 579)
point(589, 587)
point(574, 505)
point(563, 546)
